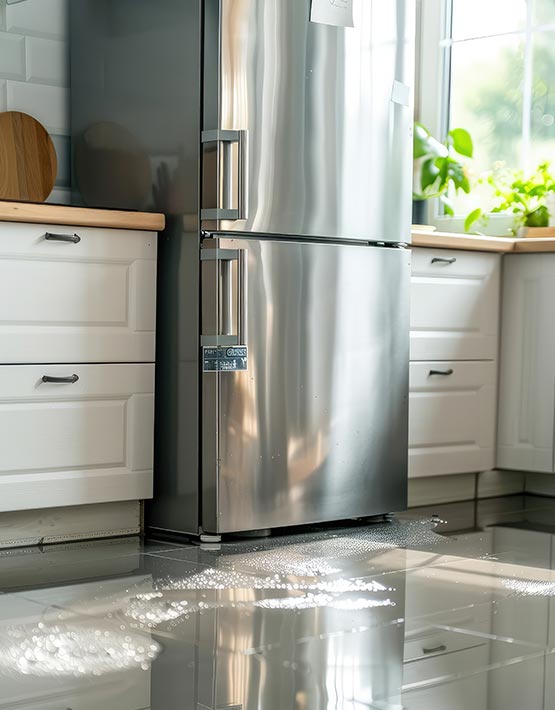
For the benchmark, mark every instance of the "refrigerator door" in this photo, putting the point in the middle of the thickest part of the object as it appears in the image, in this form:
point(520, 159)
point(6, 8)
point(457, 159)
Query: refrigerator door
point(304, 414)
point(308, 126)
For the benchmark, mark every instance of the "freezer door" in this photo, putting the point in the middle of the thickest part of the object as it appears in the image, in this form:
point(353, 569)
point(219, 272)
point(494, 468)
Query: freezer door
point(308, 126)
point(305, 382)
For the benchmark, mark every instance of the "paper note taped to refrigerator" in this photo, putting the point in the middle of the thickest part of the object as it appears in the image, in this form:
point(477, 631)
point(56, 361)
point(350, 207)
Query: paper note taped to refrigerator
point(332, 12)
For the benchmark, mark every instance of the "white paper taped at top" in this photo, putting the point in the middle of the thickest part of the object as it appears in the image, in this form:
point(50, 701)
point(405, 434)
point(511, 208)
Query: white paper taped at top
point(332, 12)
point(400, 93)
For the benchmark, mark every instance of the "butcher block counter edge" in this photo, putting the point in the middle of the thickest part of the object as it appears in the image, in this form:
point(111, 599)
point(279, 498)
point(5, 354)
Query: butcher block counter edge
point(80, 216)
point(468, 242)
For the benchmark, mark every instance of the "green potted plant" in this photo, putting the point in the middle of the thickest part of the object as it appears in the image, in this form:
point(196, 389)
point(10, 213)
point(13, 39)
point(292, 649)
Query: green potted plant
point(439, 167)
point(526, 198)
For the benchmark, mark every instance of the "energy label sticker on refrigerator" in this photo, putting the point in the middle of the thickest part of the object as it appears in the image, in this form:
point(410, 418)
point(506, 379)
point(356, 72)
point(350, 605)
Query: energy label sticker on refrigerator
point(225, 359)
point(332, 12)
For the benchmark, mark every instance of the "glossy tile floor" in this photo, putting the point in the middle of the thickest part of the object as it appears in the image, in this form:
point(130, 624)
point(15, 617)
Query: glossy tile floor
point(444, 615)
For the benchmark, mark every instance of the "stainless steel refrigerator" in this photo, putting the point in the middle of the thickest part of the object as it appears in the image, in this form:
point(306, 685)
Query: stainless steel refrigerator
point(276, 137)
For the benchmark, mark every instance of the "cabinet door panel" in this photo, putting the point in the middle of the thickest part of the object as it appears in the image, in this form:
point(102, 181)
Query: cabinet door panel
point(69, 444)
point(91, 300)
point(451, 418)
point(455, 305)
point(527, 364)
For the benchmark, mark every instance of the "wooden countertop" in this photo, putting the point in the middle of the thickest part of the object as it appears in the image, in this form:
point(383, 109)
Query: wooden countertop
point(543, 244)
point(467, 242)
point(80, 216)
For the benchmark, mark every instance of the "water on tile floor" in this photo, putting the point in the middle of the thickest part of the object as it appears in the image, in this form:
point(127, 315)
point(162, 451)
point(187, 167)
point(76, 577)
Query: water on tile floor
point(455, 612)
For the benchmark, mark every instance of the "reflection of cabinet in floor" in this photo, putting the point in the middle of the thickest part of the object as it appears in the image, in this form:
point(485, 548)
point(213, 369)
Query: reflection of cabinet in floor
point(507, 606)
point(524, 617)
point(466, 693)
point(550, 660)
point(446, 638)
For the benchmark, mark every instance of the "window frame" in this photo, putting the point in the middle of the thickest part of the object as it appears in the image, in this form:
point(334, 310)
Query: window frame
point(433, 63)
point(434, 44)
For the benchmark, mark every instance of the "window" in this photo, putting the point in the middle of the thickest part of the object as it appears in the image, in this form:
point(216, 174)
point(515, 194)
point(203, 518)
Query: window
point(492, 66)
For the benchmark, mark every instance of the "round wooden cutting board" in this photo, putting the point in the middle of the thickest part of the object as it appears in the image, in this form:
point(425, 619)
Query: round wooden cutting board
point(28, 164)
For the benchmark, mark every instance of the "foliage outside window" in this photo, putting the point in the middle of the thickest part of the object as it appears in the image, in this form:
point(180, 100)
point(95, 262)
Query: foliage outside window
point(500, 58)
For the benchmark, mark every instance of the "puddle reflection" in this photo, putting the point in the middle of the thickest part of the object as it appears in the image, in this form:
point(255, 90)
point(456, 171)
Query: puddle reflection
point(391, 616)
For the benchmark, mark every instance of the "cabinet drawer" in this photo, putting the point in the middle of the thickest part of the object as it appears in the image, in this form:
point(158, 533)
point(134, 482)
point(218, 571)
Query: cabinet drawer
point(88, 301)
point(454, 306)
point(451, 417)
point(69, 444)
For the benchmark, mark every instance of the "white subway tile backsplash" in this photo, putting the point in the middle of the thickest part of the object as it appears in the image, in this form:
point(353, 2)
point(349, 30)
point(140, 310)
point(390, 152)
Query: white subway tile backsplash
point(12, 56)
point(34, 73)
point(48, 104)
point(42, 18)
point(60, 196)
point(46, 61)
point(62, 148)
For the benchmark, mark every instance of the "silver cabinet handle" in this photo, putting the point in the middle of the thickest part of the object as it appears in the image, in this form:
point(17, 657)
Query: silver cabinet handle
point(443, 373)
point(443, 260)
point(72, 238)
point(437, 649)
point(71, 380)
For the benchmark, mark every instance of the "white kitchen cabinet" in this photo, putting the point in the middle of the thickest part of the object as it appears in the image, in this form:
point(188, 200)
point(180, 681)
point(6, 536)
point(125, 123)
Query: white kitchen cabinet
point(90, 297)
point(451, 417)
point(77, 307)
point(455, 305)
point(527, 374)
point(65, 444)
point(453, 376)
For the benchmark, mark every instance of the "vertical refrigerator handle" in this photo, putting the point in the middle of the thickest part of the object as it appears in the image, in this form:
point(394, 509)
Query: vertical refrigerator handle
point(225, 315)
point(233, 180)
point(242, 291)
point(243, 175)
point(224, 259)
